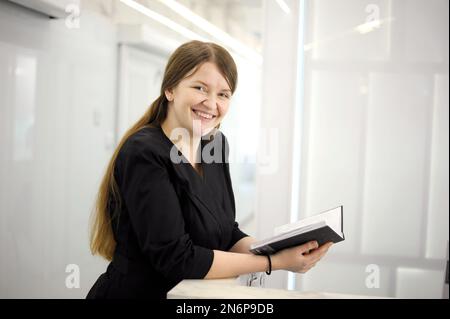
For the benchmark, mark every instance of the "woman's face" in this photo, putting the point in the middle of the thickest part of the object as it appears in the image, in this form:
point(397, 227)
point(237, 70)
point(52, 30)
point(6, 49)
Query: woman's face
point(203, 97)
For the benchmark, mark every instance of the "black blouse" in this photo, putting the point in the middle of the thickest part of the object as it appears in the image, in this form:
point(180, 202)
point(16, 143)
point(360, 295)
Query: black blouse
point(170, 217)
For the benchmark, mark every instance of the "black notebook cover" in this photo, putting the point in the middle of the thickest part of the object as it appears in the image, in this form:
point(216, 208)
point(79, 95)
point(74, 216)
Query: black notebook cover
point(322, 235)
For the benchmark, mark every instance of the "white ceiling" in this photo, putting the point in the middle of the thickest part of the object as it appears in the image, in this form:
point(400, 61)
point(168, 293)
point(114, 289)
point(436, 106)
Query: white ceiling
point(242, 19)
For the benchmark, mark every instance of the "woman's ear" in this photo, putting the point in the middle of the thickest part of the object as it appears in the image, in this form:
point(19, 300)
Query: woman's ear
point(169, 95)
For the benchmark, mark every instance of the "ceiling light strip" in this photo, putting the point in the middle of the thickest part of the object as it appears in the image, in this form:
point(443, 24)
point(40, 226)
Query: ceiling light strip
point(163, 20)
point(284, 6)
point(213, 30)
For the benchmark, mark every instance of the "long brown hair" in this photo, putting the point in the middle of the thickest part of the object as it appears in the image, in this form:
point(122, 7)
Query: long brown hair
point(186, 58)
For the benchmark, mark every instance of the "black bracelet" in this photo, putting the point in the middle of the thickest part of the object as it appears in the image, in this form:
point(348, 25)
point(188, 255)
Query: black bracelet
point(270, 265)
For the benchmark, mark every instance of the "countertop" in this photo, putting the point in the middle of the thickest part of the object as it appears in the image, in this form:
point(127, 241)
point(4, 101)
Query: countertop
point(233, 289)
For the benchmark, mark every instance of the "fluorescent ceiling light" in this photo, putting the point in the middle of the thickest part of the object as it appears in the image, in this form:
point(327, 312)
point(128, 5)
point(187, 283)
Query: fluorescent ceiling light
point(163, 20)
point(361, 29)
point(214, 31)
point(368, 26)
point(372, 25)
point(284, 6)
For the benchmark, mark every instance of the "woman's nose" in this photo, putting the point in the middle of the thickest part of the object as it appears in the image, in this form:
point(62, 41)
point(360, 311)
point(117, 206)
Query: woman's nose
point(210, 103)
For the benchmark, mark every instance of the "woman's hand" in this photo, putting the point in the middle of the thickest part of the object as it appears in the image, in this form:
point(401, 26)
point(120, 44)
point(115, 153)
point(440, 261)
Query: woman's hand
point(300, 258)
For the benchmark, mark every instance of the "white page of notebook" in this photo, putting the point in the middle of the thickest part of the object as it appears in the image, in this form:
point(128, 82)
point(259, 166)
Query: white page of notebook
point(332, 217)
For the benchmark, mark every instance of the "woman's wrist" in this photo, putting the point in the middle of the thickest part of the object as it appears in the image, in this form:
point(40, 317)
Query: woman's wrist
point(275, 260)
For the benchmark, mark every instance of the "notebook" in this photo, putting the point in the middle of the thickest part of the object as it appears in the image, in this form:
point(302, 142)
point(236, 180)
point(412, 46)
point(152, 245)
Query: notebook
point(323, 227)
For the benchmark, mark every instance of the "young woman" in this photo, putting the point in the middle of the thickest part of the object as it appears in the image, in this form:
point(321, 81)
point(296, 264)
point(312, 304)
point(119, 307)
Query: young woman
point(163, 212)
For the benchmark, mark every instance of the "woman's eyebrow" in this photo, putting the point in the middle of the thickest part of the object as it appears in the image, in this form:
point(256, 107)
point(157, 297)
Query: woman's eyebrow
point(198, 81)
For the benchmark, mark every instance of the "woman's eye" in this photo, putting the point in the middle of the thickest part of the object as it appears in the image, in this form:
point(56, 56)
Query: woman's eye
point(201, 88)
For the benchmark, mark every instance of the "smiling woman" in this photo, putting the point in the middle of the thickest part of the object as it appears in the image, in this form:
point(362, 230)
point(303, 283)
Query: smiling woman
point(197, 104)
point(193, 99)
point(159, 220)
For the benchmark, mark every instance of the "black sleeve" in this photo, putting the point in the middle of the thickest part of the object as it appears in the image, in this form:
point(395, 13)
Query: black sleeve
point(156, 217)
point(236, 233)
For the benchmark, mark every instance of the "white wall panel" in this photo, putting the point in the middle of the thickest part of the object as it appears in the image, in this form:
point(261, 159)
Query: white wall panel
point(349, 279)
point(57, 106)
point(438, 208)
point(140, 80)
point(335, 136)
point(335, 36)
point(419, 283)
point(429, 42)
point(390, 166)
point(397, 154)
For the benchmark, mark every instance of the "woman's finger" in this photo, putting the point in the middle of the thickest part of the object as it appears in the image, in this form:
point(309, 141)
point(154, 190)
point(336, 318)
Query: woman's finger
point(315, 255)
point(305, 248)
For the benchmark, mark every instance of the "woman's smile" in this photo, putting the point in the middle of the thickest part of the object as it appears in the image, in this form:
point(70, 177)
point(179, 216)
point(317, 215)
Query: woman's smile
point(203, 116)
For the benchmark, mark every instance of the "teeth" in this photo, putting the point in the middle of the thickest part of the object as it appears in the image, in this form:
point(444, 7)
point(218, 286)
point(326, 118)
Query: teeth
point(204, 115)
